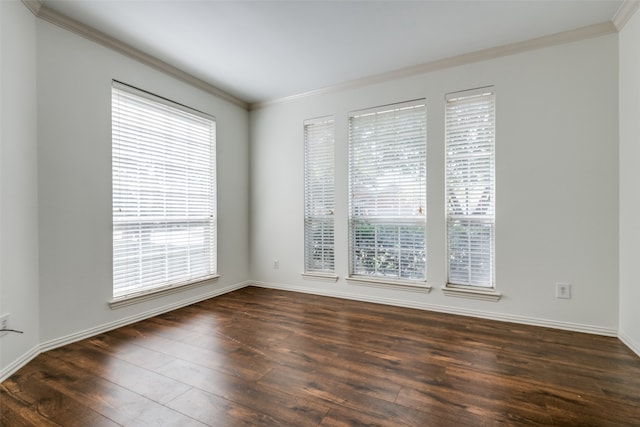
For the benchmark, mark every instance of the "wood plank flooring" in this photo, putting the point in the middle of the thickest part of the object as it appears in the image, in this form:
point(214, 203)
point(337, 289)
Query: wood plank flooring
point(260, 357)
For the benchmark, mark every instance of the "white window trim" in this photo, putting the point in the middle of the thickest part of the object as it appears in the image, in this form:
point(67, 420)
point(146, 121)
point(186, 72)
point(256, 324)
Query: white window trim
point(139, 297)
point(373, 280)
point(323, 122)
point(418, 286)
point(322, 277)
point(471, 291)
point(172, 287)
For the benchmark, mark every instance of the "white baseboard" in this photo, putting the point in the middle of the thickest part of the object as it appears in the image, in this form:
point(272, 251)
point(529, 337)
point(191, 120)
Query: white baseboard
point(632, 344)
point(576, 327)
point(13, 367)
point(77, 336)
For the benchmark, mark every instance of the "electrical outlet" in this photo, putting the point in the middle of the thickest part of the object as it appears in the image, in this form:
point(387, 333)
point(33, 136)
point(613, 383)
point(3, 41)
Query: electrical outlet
point(276, 264)
point(563, 290)
point(4, 323)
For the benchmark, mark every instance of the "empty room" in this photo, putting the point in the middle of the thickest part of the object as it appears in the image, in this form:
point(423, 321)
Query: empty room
point(319, 213)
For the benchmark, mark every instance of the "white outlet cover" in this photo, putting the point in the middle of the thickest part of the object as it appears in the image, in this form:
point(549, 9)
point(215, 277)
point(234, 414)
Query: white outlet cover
point(563, 290)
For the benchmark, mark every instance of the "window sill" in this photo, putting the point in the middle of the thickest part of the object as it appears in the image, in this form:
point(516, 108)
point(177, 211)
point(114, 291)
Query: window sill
point(323, 277)
point(389, 283)
point(472, 293)
point(136, 298)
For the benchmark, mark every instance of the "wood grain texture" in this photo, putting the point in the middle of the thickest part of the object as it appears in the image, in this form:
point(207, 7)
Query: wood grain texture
point(261, 357)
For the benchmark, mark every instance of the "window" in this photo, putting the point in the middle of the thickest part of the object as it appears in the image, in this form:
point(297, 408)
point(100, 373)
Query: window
point(387, 188)
point(470, 186)
point(318, 196)
point(164, 193)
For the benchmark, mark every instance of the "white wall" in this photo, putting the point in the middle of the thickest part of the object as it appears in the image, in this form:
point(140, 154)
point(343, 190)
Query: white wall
point(18, 184)
point(557, 185)
point(74, 148)
point(629, 42)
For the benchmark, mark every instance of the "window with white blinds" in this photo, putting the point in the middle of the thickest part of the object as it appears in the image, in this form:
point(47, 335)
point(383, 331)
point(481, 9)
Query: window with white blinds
point(470, 186)
point(387, 188)
point(319, 195)
point(164, 193)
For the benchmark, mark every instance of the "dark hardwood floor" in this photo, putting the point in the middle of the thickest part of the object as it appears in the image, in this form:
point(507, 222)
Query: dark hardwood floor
point(259, 357)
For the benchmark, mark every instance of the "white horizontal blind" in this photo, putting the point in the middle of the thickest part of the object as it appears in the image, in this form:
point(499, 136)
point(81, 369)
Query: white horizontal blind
point(470, 186)
point(387, 186)
point(319, 195)
point(164, 193)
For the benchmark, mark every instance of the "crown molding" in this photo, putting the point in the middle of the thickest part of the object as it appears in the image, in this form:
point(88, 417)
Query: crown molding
point(33, 5)
point(45, 13)
point(623, 14)
point(582, 33)
point(626, 11)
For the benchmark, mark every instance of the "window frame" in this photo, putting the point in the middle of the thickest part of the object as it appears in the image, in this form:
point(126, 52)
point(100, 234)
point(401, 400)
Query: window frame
point(418, 218)
point(319, 160)
point(483, 194)
point(178, 238)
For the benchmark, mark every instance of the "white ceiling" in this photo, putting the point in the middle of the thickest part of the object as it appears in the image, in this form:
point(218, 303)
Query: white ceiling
point(265, 50)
